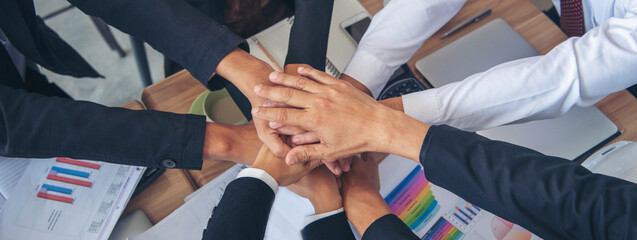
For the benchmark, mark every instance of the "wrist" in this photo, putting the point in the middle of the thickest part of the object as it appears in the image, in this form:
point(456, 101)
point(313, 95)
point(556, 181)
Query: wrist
point(395, 103)
point(326, 201)
point(356, 84)
point(264, 157)
point(402, 135)
point(365, 208)
point(216, 143)
point(244, 71)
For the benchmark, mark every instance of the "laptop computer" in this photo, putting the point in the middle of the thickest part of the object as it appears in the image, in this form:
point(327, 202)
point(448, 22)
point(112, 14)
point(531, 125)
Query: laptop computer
point(570, 136)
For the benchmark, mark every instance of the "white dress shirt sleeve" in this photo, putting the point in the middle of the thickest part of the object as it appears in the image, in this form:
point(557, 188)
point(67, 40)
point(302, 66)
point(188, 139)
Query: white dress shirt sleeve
point(394, 35)
point(261, 175)
point(578, 72)
point(316, 217)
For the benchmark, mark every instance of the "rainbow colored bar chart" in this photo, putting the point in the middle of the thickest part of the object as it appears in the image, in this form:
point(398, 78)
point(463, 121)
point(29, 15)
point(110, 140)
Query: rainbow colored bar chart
point(443, 230)
point(413, 201)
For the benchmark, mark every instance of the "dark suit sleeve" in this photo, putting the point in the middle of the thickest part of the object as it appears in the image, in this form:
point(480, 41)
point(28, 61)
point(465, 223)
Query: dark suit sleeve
point(552, 197)
point(174, 28)
point(35, 126)
point(334, 227)
point(242, 212)
point(389, 227)
point(310, 32)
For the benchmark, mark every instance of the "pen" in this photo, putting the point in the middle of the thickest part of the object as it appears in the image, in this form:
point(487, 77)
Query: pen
point(471, 20)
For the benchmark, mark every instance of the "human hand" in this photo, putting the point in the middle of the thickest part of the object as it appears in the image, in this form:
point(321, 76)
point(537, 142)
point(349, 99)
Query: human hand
point(346, 120)
point(245, 72)
point(362, 202)
point(321, 188)
point(301, 136)
point(236, 143)
point(283, 174)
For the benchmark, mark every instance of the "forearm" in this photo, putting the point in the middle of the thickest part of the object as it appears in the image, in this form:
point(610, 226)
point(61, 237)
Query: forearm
point(309, 34)
point(552, 197)
point(242, 212)
point(174, 28)
point(364, 209)
point(394, 35)
point(34, 126)
point(578, 72)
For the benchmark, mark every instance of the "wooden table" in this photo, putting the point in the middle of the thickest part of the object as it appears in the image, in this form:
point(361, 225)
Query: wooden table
point(176, 93)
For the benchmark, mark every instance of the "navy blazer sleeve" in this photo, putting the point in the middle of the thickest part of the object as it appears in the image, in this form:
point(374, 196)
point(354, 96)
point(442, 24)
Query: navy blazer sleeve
point(310, 33)
point(552, 197)
point(174, 28)
point(35, 126)
point(334, 227)
point(389, 227)
point(242, 212)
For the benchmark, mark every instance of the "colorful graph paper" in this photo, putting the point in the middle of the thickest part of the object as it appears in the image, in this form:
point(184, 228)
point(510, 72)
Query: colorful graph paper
point(413, 201)
point(443, 230)
point(464, 212)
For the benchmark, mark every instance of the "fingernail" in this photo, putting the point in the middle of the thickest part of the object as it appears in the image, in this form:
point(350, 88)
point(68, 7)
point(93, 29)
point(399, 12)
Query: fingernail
point(273, 75)
point(267, 103)
point(346, 168)
point(255, 110)
point(272, 124)
point(296, 140)
point(337, 171)
point(294, 160)
point(300, 69)
point(258, 88)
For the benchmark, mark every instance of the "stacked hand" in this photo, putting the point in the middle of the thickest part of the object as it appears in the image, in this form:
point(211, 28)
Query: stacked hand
point(344, 120)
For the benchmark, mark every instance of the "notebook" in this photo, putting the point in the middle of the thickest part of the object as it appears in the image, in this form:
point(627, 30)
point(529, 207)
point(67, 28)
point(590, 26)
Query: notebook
point(574, 134)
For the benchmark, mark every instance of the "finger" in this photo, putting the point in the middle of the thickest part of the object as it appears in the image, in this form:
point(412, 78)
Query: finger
point(286, 95)
point(344, 164)
point(305, 138)
point(294, 81)
point(286, 116)
point(317, 75)
point(275, 125)
point(272, 140)
point(306, 153)
point(334, 168)
point(269, 103)
point(290, 130)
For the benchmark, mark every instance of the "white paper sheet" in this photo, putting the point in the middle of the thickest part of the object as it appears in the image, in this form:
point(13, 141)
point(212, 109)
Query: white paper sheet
point(91, 215)
point(11, 169)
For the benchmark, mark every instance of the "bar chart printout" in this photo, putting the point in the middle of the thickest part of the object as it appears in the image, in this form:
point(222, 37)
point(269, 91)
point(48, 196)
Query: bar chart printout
point(413, 201)
point(68, 199)
point(44, 193)
point(463, 214)
point(443, 230)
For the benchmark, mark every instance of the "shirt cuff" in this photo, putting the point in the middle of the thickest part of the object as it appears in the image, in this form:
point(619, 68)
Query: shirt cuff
point(316, 217)
point(423, 106)
point(261, 175)
point(369, 71)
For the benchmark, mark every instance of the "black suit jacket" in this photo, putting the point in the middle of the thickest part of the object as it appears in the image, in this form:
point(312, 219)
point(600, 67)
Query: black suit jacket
point(389, 227)
point(552, 197)
point(244, 210)
point(35, 126)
